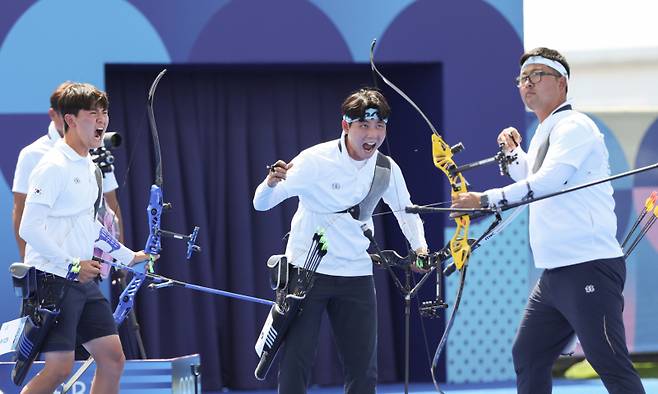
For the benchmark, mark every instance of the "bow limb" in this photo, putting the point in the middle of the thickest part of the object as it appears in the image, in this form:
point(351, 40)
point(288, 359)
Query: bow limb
point(154, 129)
point(398, 90)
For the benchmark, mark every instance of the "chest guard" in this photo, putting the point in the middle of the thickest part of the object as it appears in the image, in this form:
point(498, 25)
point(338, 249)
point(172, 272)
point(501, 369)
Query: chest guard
point(363, 210)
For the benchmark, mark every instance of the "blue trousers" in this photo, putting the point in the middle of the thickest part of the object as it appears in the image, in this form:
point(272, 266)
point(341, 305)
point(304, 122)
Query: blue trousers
point(352, 309)
point(586, 299)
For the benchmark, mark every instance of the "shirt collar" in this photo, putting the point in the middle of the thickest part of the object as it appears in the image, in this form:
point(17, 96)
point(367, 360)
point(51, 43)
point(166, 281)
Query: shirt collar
point(53, 134)
point(557, 114)
point(561, 108)
point(68, 151)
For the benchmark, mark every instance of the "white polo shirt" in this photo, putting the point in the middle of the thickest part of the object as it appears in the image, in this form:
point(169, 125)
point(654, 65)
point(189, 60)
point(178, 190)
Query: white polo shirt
point(575, 227)
point(58, 222)
point(326, 180)
point(29, 157)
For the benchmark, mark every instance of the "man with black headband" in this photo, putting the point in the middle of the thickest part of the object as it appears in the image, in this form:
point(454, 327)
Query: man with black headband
point(572, 236)
point(335, 183)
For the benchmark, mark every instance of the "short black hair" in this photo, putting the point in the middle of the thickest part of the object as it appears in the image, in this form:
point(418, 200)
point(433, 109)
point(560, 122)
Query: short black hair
point(357, 102)
point(79, 96)
point(548, 54)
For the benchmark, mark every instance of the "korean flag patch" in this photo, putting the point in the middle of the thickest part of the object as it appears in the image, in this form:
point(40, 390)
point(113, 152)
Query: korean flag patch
point(37, 193)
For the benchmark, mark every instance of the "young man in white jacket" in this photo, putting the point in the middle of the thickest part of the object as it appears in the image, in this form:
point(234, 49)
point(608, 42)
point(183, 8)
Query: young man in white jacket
point(29, 157)
point(61, 231)
point(330, 178)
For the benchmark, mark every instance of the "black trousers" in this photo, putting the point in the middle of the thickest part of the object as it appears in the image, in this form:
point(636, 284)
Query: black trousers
point(352, 309)
point(586, 299)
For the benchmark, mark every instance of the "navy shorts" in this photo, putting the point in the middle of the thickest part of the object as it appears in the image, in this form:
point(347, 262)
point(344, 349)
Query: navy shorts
point(85, 315)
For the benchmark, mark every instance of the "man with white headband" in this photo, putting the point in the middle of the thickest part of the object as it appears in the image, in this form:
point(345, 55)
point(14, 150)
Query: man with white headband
point(572, 236)
point(338, 184)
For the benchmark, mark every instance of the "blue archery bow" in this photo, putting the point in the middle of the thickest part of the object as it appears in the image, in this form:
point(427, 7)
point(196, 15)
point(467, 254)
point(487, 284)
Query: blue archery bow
point(154, 212)
point(153, 242)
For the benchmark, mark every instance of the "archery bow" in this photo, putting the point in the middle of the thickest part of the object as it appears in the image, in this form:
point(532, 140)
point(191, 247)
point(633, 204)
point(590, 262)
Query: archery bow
point(459, 245)
point(154, 214)
point(153, 243)
point(442, 156)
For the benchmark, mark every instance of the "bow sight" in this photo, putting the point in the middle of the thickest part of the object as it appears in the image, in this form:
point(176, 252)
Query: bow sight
point(503, 160)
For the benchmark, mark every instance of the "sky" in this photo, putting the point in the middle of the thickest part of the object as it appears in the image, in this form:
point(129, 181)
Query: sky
point(589, 25)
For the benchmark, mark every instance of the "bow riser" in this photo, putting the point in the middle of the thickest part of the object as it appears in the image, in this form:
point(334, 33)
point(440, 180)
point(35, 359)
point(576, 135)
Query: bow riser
point(154, 213)
point(442, 157)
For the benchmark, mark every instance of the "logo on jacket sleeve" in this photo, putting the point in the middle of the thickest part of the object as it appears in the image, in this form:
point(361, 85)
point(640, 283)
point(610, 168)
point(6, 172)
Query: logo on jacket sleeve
point(589, 289)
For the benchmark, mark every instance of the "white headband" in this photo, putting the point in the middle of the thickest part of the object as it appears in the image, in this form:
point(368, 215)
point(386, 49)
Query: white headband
point(557, 66)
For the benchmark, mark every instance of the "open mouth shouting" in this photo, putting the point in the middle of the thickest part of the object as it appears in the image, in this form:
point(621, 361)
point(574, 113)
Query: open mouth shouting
point(369, 147)
point(99, 133)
